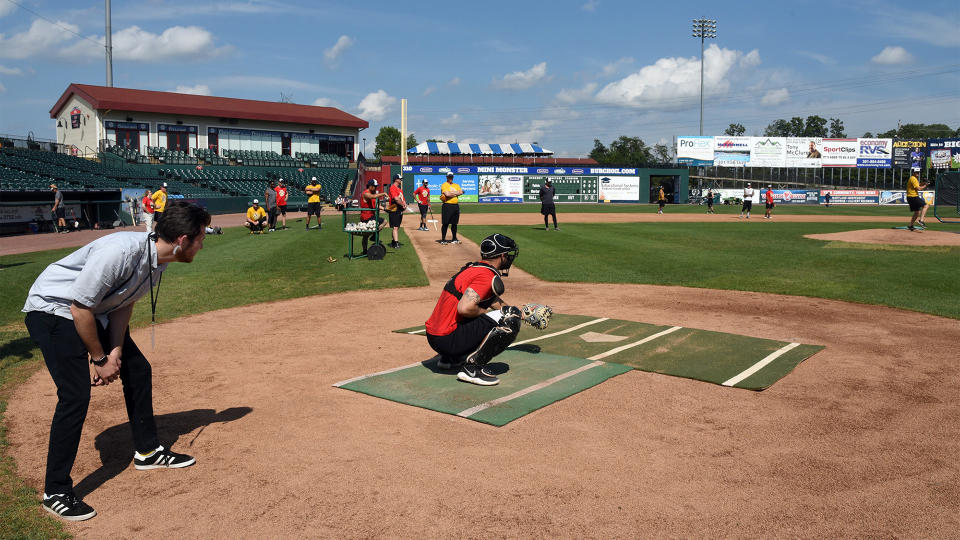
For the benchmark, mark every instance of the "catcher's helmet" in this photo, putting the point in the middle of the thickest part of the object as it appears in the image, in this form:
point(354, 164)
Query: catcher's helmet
point(497, 244)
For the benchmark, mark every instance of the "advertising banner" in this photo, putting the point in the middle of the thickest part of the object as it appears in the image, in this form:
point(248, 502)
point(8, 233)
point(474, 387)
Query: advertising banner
point(944, 153)
point(909, 153)
point(731, 151)
point(502, 169)
point(695, 151)
point(36, 213)
point(900, 197)
point(467, 182)
point(840, 152)
point(803, 152)
point(619, 189)
point(500, 188)
point(875, 153)
point(794, 196)
point(851, 196)
point(768, 152)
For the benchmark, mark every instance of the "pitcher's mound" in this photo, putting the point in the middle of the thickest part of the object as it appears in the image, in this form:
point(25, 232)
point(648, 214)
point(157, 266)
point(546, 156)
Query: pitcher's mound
point(892, 236)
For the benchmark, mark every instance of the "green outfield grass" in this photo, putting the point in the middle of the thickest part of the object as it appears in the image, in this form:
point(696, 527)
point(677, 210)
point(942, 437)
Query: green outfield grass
point(233, 269)
point(786, 209)
point(758, 256)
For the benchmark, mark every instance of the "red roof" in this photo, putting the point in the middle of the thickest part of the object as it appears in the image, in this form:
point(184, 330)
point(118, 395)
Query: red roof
point(127, 99)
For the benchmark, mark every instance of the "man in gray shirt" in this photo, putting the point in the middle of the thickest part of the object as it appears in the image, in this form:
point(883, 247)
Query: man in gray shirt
point(270, 198)
point(78, 310)
point(59, 211)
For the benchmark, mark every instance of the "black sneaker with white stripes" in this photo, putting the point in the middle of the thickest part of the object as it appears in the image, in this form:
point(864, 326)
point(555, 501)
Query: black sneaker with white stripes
point(162, 459)
point(475, 374)
point(67, 506)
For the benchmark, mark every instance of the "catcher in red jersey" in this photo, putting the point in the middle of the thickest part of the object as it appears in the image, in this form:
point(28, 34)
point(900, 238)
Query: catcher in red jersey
point(464, 330)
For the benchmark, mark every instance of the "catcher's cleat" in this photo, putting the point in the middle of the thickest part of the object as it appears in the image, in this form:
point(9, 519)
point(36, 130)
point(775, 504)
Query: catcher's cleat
point(477, 375)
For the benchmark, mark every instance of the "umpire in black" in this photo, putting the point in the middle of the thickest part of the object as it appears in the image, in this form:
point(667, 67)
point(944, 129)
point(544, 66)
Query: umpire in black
point(78, 313)
point(547, 207)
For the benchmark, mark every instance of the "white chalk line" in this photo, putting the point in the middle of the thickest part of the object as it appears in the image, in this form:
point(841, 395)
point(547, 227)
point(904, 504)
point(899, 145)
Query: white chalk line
point(634, 344)
point(759, 365)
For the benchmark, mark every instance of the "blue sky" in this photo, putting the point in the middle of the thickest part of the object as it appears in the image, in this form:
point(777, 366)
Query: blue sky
point(558, 73)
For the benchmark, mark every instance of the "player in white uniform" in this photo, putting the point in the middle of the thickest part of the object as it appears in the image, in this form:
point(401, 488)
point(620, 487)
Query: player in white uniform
point(747, 201)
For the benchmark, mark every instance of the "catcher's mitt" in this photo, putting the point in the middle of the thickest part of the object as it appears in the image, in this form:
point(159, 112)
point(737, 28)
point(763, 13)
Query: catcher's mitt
point(537, 315)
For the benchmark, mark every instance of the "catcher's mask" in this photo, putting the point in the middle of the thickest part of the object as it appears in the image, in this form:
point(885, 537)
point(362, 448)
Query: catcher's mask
point(497, 244)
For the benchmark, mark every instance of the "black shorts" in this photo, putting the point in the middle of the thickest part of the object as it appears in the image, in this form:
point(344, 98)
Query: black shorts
point(313, 209)
point(661, 203)
point(916, 203)
point(465, 339)
point(60, 212)
point(423, 209)
point(747, 205)
point(709, 203)
point(157, 217)
point(548, 209)
point(282, 209)
point(450, 214)
point(770, 206)
point(395, 218)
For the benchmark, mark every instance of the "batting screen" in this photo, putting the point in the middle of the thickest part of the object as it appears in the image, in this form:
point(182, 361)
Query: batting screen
point(946, 205)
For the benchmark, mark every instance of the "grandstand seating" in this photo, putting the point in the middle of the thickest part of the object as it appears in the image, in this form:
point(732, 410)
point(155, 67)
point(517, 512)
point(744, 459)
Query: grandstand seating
point(323, 160)
point(174, 157)
point(24, 169)
point(260, 158)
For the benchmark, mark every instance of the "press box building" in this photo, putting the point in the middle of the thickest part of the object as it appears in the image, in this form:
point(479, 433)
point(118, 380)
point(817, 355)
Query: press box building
point(91, 117)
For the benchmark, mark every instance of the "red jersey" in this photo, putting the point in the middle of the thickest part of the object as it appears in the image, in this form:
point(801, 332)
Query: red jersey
point(281, 195)
point(147, 204)
point(422, 194)
point(396, 195)
point(769, 196)
point(364, 203)
point(445, 318)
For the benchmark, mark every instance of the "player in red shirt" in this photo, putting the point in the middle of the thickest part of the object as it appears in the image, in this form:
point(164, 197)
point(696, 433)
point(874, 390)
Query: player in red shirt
point(395, 209)
point(282, 202)
point(769, 198)
point(422, 194)
point(461, 325)
point(146, 203)
point(369, 199)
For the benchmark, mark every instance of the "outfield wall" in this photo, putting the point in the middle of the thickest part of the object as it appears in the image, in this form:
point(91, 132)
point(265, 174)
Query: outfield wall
point(509, 184)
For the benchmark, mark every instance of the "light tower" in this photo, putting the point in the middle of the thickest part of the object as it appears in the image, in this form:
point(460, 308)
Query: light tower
point(703, 28)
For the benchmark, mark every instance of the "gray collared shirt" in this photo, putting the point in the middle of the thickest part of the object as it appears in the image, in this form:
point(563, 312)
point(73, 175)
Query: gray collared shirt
point(107, 274)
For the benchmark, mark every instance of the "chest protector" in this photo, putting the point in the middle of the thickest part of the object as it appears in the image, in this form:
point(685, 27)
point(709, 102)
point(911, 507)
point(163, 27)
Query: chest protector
point(496, 284)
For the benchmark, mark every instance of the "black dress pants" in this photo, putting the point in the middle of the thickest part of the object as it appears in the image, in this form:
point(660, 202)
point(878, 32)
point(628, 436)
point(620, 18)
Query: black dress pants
point(66, 359)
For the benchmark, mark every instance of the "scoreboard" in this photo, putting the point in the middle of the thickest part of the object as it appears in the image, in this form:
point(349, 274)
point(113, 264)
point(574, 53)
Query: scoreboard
point(568, 188)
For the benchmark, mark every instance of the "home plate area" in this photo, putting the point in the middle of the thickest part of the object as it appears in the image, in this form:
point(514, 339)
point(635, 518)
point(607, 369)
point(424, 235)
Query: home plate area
point(577, 352)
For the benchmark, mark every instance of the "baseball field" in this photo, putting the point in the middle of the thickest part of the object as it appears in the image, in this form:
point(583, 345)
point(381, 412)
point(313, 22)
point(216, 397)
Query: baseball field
point(858, 438)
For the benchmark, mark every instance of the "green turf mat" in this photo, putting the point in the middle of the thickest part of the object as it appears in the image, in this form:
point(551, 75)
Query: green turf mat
point(716, 357)
point(528, 382)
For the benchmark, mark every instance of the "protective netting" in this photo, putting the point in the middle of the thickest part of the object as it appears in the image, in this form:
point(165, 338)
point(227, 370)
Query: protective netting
point(947, 199)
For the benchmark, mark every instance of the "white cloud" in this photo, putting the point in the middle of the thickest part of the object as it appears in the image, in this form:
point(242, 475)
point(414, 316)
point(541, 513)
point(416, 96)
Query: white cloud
point(10, 71)
point(590, 6)
point(822, 58)
point(454, 81)
point(892, 55)
point(450, 120)
point(429, 90)
point(2, 88)
point(325, 102)
point(376, 105)
point(521, 80)
point(532, 130)
point(938, 28)
point(199, 89)
point(333, 53)
point(617, 66)
point(6, 8)
point(573, 96)
point(134, 43)
point(675, 80)
point(42, 37)
point(775, 97)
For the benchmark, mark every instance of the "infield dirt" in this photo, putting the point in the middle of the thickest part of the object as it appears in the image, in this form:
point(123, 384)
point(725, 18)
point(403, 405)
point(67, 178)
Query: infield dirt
point(860, 440)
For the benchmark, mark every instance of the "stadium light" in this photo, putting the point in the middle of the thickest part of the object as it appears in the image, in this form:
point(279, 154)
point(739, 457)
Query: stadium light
point(703, 28)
